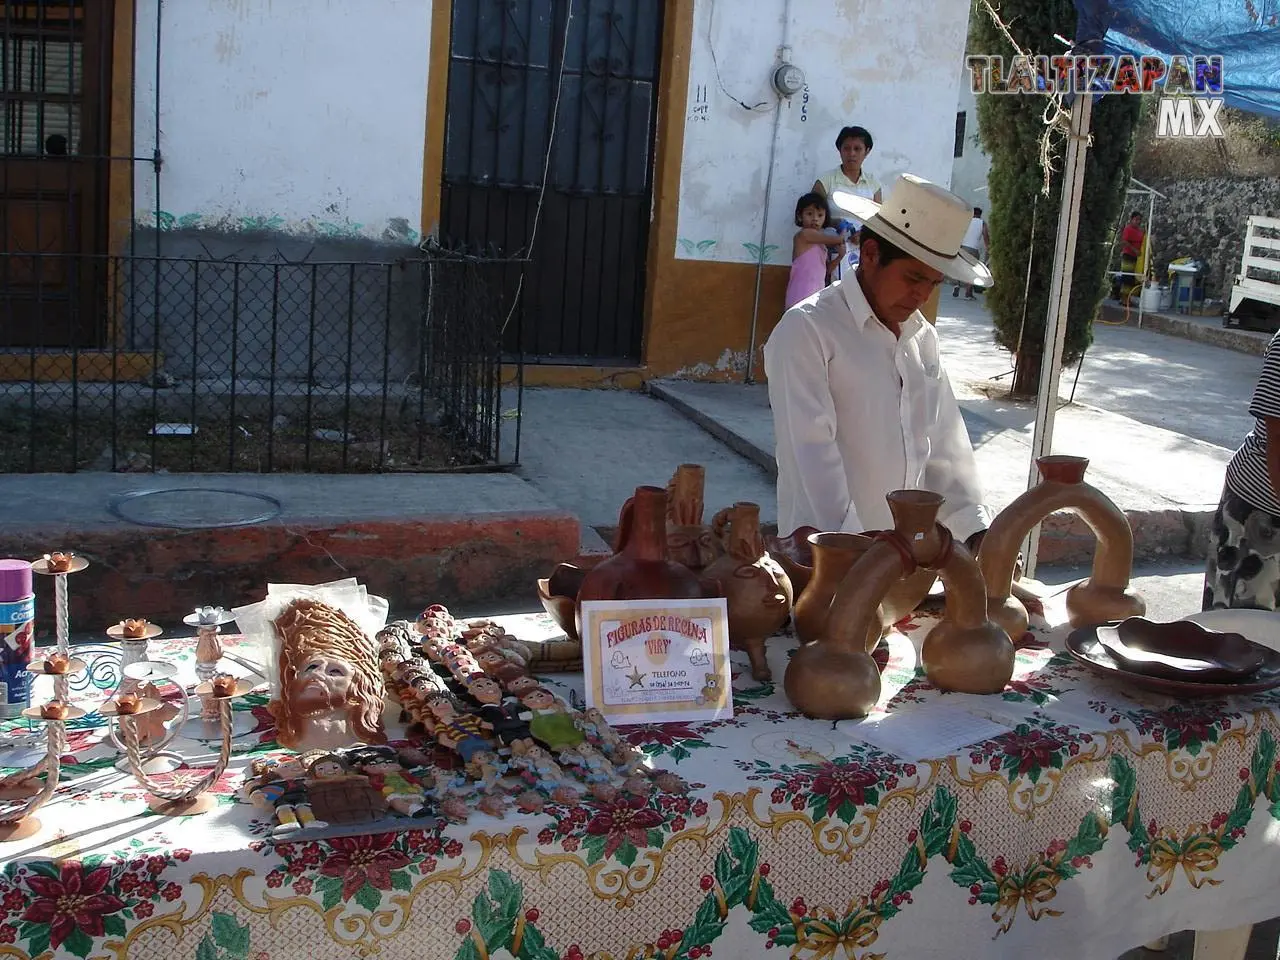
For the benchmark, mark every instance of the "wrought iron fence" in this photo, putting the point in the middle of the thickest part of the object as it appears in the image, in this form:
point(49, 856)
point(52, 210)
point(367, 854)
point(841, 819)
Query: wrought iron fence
point(202, 365)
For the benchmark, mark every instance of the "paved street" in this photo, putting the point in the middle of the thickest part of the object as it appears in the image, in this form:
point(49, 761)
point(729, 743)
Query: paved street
point(1195, 389)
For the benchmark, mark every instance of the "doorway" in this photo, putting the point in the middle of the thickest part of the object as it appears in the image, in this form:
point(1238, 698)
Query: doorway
point(516, 75)
point(55, 93)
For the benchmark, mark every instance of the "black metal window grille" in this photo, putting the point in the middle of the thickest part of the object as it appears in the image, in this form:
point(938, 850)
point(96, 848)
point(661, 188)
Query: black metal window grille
point(560, 94)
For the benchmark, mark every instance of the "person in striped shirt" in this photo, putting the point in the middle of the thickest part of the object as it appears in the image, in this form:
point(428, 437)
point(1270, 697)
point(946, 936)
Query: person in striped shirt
point(1243, 569)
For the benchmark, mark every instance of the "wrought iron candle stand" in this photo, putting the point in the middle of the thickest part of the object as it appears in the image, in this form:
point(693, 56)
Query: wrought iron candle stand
point(143, 676)
point(177, 801)
point(24, 787)
point(132, 650)
point(209, 622)
point(59, 565)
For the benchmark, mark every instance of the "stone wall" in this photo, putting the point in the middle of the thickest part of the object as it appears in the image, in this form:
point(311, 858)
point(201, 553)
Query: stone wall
point(1205, 218)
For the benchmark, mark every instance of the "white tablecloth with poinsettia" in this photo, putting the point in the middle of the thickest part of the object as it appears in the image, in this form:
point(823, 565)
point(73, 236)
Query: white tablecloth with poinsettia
point(1099, 819)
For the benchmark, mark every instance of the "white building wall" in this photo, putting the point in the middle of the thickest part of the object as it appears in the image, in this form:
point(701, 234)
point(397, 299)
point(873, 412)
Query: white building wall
point(892, 68)
point(969, 170)
point(301, 116)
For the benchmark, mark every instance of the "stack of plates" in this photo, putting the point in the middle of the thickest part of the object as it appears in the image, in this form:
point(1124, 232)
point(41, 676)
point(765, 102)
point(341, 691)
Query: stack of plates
point(1183, 658)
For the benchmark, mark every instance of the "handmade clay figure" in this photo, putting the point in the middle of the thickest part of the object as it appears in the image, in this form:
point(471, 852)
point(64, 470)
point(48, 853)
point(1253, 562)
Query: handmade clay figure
point(595, 765)
point(279, 786)
point(499, 663)
point(504, 718)
point(549, 722)
point(486, 769)
point(530, 801)
point(338, 795)
point(540, 765)
point(592, 722)
point(331, 691)
point(449, 791)
point(689, 540)
point(519, 686)
point(386, 771)
point(464, 733)
point(151, 726)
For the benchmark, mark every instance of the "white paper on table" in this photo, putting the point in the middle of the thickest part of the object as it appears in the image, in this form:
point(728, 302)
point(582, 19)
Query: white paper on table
point(925, 732)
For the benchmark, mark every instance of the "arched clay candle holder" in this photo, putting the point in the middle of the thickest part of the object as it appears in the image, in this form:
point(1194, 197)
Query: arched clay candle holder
point(756, 589)
point(194, 799)
point(690, 541)
point(834, 678)
point(23, 786)
point(834, 555)
point(1106, 595)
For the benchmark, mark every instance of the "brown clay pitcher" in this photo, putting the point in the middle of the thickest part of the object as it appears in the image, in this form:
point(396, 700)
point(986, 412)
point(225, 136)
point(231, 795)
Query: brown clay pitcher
point(640, 570)
point(795, 553)
point(834, 555)
point(756, 588)
point(689, 540)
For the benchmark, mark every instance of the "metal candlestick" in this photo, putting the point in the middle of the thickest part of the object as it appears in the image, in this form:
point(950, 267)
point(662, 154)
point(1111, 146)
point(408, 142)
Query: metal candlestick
point(23, 786)
point(132, 650)
point(170, 801)
point(144, 674)
point(208, 622)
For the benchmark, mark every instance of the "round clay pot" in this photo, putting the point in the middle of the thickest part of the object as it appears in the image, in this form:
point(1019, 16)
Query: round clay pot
point(829, 682)
point(976, 659)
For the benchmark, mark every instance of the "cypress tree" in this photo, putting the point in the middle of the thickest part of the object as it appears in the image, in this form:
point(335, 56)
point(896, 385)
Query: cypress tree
point(1010, 127)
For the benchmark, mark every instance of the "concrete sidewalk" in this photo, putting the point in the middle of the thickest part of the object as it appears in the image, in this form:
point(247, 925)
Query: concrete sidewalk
point(1167, 484)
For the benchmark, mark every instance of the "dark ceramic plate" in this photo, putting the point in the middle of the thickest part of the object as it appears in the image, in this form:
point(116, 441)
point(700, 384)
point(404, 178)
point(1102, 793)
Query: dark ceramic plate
point(1083, 645)
point(1180, 651)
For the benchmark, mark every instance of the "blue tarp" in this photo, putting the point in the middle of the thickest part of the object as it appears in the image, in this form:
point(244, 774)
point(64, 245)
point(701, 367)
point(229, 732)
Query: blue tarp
point(1245, 33)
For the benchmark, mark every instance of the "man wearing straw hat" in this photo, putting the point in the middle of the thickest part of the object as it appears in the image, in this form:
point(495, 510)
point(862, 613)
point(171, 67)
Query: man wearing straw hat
point(861, 403)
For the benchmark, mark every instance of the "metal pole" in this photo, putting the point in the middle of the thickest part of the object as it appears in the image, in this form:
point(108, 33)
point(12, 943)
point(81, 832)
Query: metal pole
point(1149, 263)
point(1055, 334)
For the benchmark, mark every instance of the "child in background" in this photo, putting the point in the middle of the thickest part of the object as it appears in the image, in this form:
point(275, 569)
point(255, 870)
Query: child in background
point(810, 270)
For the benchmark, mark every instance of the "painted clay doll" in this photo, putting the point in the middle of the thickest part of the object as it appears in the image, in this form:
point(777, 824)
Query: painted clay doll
point(278, 785)
point(503, 718)
point(519, 686)
point(461, 732)
point(386, 772)
point(549, 722)
point(338, 795)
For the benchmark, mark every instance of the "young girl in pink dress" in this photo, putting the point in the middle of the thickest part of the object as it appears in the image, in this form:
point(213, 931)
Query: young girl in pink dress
point(810, 264)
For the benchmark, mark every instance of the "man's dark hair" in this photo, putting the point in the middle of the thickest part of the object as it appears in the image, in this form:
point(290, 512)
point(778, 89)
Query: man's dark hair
point(977, 212)
point(862, 133)
point(887, 252)
point(1137, 214)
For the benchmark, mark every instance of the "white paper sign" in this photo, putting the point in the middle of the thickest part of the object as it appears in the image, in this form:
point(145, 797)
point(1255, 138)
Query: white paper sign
point(657, 661)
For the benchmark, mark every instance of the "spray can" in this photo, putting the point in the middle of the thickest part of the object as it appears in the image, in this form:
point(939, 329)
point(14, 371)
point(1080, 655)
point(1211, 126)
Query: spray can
point(17, 635)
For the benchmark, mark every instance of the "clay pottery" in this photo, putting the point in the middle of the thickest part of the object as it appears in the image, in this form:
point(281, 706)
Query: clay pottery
point(559, 596)
point(757, 590)
point(1106, 595)
point(834, 554)
point(689, 540)
point(795, 554)
point(640, 569)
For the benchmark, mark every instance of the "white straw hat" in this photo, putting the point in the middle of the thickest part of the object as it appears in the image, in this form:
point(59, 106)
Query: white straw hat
point(924, 221)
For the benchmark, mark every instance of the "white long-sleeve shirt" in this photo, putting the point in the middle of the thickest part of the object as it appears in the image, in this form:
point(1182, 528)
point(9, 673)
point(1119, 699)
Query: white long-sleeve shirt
point(858, 413)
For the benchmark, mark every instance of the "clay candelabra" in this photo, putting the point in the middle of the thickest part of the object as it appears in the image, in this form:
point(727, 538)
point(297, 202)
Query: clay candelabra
point(154, 731)
point(209, 622)
point(21, 792)
point(177, 801)
point(834, 678)
point(1106, 594)
point(689, 541)
point(134, 636)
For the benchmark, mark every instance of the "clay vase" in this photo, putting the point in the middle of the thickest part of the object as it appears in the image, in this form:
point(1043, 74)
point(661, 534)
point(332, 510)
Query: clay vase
point(757, 590)
point(559, 596)
point(640, 569)
point(689, 540)
point(1106, 595)
point(834, 554)
point(795, 554)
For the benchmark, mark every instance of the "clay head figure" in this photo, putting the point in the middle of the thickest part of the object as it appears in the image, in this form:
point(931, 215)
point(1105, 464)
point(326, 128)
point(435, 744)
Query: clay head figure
point(331, 690)
point(485, 689)
point(518, 686)
point(540, 698)
point(691, 545)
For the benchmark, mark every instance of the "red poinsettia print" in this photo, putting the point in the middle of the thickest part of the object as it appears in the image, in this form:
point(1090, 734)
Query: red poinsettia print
point(75, 900)
point(844, 783)
point(360, 860)
point(627, 820)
